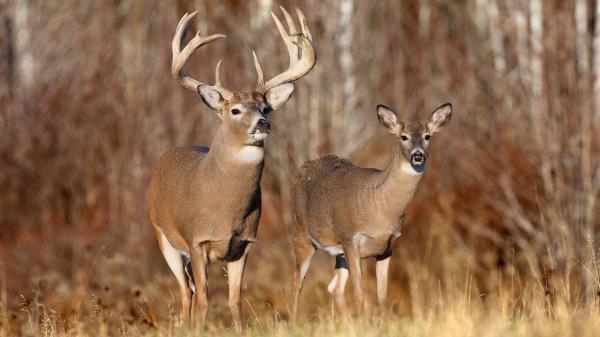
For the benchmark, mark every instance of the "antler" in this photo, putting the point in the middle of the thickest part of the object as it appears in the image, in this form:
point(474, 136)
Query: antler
point(300, 48)
point(180, 57)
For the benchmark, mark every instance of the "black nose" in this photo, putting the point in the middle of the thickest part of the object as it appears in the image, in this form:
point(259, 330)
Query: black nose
point(417, 157)
point(263, 126)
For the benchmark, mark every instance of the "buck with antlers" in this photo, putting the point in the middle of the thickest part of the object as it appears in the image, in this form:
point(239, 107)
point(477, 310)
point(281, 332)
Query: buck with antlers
point(205, 203)
point(353, 212)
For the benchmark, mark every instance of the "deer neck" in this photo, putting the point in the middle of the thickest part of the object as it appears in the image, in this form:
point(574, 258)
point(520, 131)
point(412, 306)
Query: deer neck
point(235, 160)
point(396, 185)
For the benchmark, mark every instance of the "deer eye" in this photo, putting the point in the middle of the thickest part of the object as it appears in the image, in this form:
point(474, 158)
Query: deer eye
point(235, 112)
point(404, 138)
point(427, 137)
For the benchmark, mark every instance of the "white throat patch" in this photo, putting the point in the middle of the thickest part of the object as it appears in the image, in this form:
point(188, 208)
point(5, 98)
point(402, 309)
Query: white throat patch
point(250, 154)
point(408, 169)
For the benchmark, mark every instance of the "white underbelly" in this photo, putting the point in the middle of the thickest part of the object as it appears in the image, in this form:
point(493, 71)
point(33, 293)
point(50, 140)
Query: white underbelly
point(332, 250)
point(360, 240)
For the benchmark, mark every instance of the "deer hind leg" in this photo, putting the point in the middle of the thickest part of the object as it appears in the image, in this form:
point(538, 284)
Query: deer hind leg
point(189, 278)
point(175, 260)
point(304, 252)
point(338, 282)
point(199, 261)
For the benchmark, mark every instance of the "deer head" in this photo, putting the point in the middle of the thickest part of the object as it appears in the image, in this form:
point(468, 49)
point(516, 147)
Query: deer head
point(414, 136)
point(244, 114)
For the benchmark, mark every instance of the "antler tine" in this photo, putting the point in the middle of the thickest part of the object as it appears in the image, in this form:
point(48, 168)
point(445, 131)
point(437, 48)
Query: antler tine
point(289, 21)
point(292, 49)
point(218, 84)
point(300, 49)
point(182, 28)
point(260, 84)
point(180, 57)
point(303, 24)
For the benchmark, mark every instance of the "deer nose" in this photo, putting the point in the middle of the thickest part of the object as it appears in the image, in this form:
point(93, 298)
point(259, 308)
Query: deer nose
point(417, 157)
point(262, 126)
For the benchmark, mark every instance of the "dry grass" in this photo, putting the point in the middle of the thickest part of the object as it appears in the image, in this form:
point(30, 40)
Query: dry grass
point(117, 294)
point(150, 311)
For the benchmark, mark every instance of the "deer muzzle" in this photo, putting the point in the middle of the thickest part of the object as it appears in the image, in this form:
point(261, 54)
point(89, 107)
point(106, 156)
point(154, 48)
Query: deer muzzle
point(417, 158)
point(262, 126)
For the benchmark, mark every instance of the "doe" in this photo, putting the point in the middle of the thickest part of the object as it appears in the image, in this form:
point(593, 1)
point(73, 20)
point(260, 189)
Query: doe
point(353, 212)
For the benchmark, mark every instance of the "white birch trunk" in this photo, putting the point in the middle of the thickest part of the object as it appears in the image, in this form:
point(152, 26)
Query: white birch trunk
point(581, 22)
point(523, 54)
point(536, 52)
point(23, 45)
point(537, 107)
point(348, 135)
point(496, 36)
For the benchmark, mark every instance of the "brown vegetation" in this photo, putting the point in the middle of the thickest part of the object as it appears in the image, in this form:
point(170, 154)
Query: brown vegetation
point(505, 225)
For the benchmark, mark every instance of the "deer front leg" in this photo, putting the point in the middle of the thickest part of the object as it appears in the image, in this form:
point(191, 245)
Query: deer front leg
point(235, 273)
point(382, 267)
point(199, 268)
point(353, 260)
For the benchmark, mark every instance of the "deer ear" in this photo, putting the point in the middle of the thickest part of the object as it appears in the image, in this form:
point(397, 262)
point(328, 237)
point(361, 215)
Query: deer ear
point(387, 117)
point(278, 95)
point(210, 96)
point(440, 117)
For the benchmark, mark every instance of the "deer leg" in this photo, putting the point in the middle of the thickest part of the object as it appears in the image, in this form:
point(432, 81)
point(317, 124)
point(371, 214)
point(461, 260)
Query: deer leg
point(175, 261)
point(199, 266)
point(382, 267)
point(235, 273)
point(304, 252)
point(338, 283)
point(353, 259)
point(189, 277)
point(193, 300)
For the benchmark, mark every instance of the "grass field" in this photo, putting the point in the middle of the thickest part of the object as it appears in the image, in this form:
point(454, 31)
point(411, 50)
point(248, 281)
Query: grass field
point(120, 295)
point(461, 318)
point(580, 324)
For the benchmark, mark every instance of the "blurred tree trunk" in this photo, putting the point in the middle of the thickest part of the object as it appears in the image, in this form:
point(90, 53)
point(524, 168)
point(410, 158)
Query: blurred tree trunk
point(496, 35)
point(346, 41)
point(6, 59)
point(588, 30)
point(413, 64)
point(24, 48)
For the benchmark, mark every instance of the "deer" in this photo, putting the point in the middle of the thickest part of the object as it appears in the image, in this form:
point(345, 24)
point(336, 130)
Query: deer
point(356, 213)
point(205, 202)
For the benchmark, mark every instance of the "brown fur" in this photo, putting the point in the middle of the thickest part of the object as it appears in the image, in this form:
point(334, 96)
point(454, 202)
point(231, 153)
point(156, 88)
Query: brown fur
point(190, 183)
point(334, 200)
point(207, 202)
point(356, 211)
